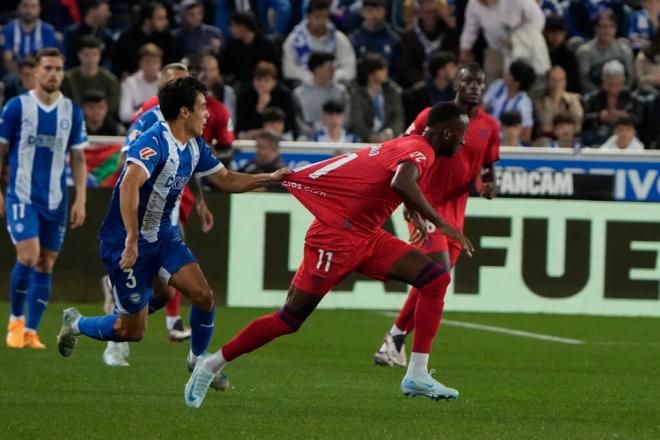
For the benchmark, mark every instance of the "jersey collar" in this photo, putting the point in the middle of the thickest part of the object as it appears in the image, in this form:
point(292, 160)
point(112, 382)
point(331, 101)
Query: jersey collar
point(44, 107)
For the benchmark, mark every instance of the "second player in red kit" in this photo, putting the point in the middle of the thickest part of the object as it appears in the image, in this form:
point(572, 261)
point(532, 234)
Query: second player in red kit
point(447, 186)
point(351, 196)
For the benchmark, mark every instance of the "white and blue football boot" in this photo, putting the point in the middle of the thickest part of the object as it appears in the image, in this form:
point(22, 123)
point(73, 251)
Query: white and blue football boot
point(427, 386)
point(68, 337)
point(198, 384)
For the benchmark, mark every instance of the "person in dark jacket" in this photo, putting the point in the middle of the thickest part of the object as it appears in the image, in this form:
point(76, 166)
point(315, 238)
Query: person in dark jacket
point(95, 16)
point(438, 87)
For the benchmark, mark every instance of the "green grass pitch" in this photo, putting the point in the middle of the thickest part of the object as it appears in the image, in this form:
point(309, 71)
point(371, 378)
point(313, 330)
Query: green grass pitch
point(321, 383)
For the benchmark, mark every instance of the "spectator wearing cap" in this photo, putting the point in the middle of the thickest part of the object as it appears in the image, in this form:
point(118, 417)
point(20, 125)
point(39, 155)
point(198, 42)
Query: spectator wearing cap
point(511, 127)
point(97, 119)
point(605, 106)
point(647, 65)
point(194, 35)
point(24, 81)
point(332, 130)
point(429, 33)
point(264, 92)
point(510, 93)
point(554, 101)
point(564, 131)
point(560, 53)
point(90, 75)
point(245, 48)
point(644, 24)
point(624, 137)
point(95, 16)
point(604, 47)
point(310, 96)
point(152, 27)
point(437, 87)
point(376, 35)
point(212, 77)
point(376, 102)
point(25, 35)
point(498, 19)
point(141, 85)
point(316, 33)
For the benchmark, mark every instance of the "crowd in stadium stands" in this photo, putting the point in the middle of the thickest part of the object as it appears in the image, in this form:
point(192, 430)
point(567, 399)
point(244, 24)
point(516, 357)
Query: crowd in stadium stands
point(560, 73)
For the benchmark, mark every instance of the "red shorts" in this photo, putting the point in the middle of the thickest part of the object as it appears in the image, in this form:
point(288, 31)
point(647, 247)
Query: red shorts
point(438, 242)
point(333, 254)
point(187, 202)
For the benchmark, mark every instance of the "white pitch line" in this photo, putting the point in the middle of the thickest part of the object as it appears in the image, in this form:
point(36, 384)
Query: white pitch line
point(506, 331)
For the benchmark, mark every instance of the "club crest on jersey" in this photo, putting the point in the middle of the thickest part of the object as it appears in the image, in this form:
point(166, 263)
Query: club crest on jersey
point(483, 133)
point(147, 152)
point(418, 156)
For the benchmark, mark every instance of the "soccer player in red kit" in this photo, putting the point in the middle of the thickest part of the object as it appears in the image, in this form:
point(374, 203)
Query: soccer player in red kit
point(351, 196)
point(447, 187)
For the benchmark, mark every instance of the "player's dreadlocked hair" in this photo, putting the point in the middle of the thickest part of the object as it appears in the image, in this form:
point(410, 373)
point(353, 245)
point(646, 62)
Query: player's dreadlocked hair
point(444, 112)
point(181, 92)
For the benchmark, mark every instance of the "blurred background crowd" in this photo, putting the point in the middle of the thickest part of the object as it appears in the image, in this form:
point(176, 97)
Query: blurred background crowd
point(566, 74)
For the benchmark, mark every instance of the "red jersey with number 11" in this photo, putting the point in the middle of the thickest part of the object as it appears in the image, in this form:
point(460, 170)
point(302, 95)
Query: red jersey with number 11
point(352, 192)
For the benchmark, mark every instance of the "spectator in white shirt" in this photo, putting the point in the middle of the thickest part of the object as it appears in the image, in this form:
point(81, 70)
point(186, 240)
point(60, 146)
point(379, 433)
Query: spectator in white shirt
point(510, 93)
point(624, 138)
point(141, 85)
point(497, 19)
point(316, 33)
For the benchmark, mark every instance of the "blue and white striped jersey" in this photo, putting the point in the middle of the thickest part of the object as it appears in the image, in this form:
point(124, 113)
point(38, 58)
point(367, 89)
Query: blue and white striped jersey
point(39, 138)
point(22, 43)
point(146, 120)
point(169, 165)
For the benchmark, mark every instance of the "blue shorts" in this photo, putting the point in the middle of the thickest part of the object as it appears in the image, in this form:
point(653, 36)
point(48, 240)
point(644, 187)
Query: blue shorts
point(161, 259)
point(25, 221)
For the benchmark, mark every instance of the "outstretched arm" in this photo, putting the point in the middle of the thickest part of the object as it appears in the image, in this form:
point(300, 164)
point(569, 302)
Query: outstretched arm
point(231, 182)
point(404, 183)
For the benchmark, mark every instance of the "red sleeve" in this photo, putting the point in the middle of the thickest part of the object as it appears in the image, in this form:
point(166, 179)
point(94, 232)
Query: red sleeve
point(148, 105)
point(419, 124)
point(222, 130)
point(413, 149)
point(493, 150)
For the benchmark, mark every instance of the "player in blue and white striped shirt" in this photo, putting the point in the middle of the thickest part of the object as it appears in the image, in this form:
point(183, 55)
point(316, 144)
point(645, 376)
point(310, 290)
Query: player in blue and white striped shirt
point(140, 246)
point(40, 128)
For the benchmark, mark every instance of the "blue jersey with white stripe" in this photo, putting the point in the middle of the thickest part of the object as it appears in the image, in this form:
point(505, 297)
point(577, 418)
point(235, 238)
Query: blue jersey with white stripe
point(146, 120)
point(22, 43)
point(169, 165)
point(39, 138)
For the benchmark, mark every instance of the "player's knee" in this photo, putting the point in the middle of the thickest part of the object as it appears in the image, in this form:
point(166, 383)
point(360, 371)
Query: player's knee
point(28, 259)
point(292, 320)
point(133, 334)
point(433, 280)
point(203, 299)
point(45, 265)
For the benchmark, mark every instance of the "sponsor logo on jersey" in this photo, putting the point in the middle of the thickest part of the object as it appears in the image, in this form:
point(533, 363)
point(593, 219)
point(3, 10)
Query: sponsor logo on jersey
point(176, 182)
point(299, 186)
point(418, 156)
point(46, 141)
point(374, 150)
point(147, 152)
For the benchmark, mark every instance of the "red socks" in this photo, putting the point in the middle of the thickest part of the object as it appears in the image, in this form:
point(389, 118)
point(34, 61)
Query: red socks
point(405, 321)
point(428, 312)
point(174, 306)
point(257, 333)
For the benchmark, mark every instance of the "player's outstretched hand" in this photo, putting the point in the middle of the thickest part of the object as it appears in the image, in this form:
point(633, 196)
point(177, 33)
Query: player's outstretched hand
point(489, 190)
point(206, 216)
point(77, 214)
point(420, 231)
point(278, 175)
point(130, 254)
point(456, 235)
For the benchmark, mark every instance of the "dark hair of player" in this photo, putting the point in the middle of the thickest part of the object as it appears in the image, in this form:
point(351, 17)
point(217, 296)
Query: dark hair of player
point(471, 67)
point(333, 106)
point(370, 63)
point(511, 118)
point(318, 5)
point(182, 92)
point(563, 118)
point(90, 42)
point(523, 74)
point(439, 60)
point(273, 114)
point(47, 52)
point(246, 19)
point(318, 59)
point(444, 112)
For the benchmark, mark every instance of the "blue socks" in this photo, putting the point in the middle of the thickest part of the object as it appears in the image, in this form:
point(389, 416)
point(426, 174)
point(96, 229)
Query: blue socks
point(201, 324)
point(99, 327)
point(38, 299)
point(19, 286)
